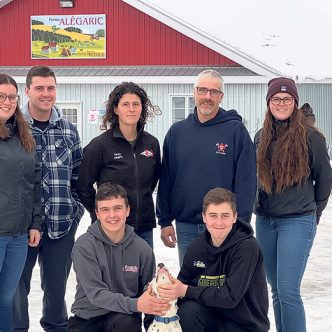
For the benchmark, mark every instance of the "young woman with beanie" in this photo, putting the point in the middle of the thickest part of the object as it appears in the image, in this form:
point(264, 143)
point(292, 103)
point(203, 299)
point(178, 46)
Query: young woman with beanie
point(295, 177)
point(20, 200)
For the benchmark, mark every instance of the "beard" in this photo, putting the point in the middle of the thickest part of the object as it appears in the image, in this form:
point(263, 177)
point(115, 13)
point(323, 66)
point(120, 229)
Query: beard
point(207, 107)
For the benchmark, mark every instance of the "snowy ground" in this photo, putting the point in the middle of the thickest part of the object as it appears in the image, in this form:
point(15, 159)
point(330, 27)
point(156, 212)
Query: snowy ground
point(316, 286)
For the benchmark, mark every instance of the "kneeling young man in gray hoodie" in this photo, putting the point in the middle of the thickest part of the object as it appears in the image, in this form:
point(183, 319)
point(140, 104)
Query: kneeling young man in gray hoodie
point(112, 265)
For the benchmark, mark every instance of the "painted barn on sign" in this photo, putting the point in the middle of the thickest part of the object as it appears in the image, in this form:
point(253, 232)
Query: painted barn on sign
point(98, 44)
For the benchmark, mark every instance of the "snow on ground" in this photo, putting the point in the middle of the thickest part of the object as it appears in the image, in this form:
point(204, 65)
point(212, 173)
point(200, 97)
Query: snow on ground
point(316, 286)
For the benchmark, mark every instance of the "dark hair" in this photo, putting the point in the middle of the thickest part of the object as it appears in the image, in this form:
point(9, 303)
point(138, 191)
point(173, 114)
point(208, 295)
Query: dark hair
point(42, 71)
point(308, 113)
point(110, 190)
point(219, 196)
point(148, 109)
point(306, 109)
point(288, 164)
point(22, 126)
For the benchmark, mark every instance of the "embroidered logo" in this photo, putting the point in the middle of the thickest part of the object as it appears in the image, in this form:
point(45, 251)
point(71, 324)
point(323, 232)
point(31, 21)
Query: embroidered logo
point(147, 153)
point(221, 148)
point(283, 88)
point(130, 268)
point(199, 264)
point(118, 155)
point(211, 281)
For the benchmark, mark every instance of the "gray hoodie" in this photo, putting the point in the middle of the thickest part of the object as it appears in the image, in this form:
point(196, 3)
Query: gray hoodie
point(110, 277)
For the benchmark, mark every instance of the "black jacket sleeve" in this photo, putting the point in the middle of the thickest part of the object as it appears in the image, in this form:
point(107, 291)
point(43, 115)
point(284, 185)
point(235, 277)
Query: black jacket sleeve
point(37, 206)
point(157, 169)
point(245, 180)
point(321, 171)
point(89, 174)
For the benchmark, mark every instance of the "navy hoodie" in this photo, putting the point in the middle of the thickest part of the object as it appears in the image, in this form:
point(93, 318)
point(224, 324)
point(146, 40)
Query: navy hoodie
point(200, 156)
point(229, 279)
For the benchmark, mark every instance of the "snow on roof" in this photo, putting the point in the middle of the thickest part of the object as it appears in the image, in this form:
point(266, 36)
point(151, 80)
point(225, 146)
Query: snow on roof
point(4, 2)
point(290, 38)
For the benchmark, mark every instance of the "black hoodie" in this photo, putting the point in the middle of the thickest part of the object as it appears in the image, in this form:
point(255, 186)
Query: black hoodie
point(230, 278)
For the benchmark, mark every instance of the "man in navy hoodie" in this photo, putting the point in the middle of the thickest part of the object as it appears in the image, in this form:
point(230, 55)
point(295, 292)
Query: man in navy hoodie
point(210, 148)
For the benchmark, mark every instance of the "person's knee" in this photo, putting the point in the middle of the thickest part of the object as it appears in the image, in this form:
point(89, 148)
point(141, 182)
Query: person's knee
point(191, 315)
point(197, 317)
point(188, 309)
point(119, 322)
point(289, 294)
point(5, 300)
point(7, 295)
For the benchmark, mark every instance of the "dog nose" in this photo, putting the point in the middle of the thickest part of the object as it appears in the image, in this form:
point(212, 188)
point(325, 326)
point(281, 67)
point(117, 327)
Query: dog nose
point(161, 265)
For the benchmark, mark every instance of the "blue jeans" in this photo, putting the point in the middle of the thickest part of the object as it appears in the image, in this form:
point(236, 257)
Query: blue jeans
point(185, 234)
point(286, 245)
point(147, 236)
point(13, 253)
point(54, 258)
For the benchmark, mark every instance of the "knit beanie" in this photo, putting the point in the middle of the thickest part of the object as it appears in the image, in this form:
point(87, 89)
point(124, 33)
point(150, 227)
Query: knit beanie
point(282, 84)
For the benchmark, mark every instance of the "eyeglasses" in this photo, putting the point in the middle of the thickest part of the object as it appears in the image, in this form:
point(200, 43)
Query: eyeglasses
point(213, 92)
point(287, 101)
point(12, 98)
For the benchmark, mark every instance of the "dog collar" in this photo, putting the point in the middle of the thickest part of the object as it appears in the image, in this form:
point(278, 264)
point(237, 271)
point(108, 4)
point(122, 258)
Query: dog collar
point(166, 320)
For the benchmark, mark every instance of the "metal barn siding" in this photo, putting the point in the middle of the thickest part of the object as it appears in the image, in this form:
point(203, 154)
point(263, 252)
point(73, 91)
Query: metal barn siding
point(133, 38)
point(319, 96)
point(247, 99)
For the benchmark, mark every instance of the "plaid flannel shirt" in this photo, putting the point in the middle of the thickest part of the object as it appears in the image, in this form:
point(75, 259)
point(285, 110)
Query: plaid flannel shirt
point(60, 154)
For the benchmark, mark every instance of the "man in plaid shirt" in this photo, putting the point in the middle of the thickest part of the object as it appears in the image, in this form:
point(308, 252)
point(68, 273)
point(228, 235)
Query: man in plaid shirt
point(60, 154)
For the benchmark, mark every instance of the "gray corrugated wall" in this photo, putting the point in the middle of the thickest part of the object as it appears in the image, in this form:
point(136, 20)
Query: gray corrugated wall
point(248, 99)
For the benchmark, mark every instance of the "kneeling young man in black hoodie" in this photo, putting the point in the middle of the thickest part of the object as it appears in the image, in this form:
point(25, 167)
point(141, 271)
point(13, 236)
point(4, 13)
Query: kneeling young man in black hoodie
point(112, 265)
point(222, 280)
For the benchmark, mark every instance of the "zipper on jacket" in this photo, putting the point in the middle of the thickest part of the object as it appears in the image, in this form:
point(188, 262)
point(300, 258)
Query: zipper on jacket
point(137, 193)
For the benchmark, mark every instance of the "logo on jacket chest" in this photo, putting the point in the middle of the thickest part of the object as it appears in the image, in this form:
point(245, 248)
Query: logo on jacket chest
point(199, 264)
point(147, 153)
point(117, 155)
point(211, 281)
point(130, 268)
point(221, 148)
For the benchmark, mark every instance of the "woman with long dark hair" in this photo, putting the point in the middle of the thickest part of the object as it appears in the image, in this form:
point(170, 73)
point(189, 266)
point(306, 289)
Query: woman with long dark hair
point(125, 154)
point(20, 200)
point(295, 177)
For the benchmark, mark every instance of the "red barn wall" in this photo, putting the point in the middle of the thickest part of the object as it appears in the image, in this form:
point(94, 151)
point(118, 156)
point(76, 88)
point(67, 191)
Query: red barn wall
point(133, 38)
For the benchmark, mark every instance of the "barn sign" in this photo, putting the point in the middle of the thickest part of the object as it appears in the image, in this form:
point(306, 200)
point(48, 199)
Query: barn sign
point(68, 36)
